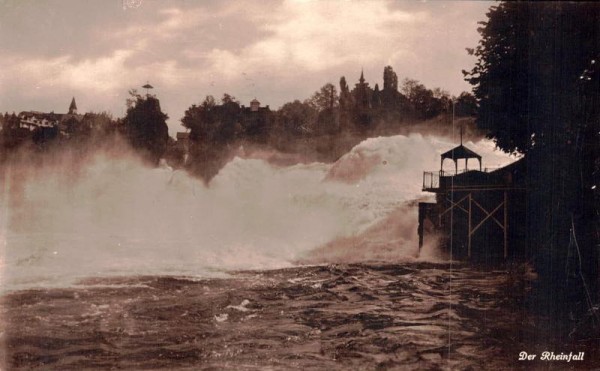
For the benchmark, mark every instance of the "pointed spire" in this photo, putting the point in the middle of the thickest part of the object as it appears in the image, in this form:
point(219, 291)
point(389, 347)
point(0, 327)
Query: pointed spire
point(73, 107)
point(362, 77)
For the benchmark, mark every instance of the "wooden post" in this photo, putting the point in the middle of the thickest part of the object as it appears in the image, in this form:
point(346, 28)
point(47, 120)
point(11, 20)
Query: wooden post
point(469, 250)
point(420, 229)
point(505, 224)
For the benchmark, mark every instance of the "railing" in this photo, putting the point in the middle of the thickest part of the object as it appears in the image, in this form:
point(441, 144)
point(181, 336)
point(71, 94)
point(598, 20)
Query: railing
point(435, 181)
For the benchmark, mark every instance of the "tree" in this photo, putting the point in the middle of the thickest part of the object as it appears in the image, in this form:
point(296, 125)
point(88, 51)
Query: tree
point(145, 126)
point(200, 119)
point(423, 101)
point(43, 136)
point(324, 98)
point(500, 77)
point(537, 92)
point(376, 98)
point(100, 124)
point(391, 99)
point(325, 102)
point(213, 128)
point(212, 123)
point(296, 118)
point(465, 105)
point(408, 87)
point(390, 79)
point(75, 129)
point(12, 134)
point(345, 96)
point(229, 99)
point(345, 104)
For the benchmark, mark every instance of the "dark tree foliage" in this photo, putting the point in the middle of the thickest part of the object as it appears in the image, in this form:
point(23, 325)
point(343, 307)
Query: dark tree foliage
point(500, 77)
point(99, 124)
point(390, 97)
point(12, 135)
point(376, 98)
point(324, 98)
point(536, 83)
point(42, 136)
point(345, 104)
point(76, 129)
point(200, 119)
point(424, 103)
point(465, 105)
point(345, 96)
point(296, 118)
point(229, 99)
point(145, 127)
point(212, 123)
point(390, 79)
point(213, 128)
point(325, 102)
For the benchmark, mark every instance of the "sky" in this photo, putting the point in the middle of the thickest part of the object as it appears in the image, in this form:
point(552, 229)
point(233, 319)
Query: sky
point(273, 50)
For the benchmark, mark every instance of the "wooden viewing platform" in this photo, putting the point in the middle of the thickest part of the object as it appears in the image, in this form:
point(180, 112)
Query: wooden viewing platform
point(472, 211)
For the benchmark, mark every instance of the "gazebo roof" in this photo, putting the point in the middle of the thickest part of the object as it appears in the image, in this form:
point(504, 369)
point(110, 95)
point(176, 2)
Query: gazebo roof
point(459, 153)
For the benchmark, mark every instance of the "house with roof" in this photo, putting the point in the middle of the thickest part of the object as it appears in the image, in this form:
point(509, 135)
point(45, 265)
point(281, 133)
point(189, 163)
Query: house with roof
point(63, 122)
point(255, 120)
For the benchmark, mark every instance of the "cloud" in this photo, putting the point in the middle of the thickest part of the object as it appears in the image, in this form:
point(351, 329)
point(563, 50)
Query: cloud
point(315, 36)
point(276, 51)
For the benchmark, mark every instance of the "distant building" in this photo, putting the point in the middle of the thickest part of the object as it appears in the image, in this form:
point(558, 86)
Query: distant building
point(362, 93)
point(32, 120)
point(73, 107)
point(254, 105)
point(182, 149)
point(255, 119)
point(183, 141)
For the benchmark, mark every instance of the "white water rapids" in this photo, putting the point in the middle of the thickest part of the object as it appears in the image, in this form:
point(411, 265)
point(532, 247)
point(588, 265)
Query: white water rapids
point(117, 217)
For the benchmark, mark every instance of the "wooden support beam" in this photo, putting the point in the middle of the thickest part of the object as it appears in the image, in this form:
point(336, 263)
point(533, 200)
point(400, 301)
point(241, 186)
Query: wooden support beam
point(455, 204)
point(470, 202)
point(505, 224)
point(489, 215)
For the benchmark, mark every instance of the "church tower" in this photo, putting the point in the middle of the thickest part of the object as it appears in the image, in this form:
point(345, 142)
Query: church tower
point(73, 107)
point(361, 93)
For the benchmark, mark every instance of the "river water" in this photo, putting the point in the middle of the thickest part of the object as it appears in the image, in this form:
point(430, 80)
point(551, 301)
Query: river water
point(359, 316)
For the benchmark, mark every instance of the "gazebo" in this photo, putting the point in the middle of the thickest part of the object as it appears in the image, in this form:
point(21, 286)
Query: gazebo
point(148, 87)
point(457, 153)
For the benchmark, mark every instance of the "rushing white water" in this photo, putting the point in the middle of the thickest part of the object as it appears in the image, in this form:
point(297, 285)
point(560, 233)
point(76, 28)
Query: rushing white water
point(116, 217)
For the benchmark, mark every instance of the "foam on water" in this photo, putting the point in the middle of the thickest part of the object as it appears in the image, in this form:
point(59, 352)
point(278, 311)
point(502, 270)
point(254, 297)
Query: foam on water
point(117, 217)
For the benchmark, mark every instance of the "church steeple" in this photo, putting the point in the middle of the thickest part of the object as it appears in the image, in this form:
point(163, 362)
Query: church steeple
point(361, 93)
point(73, 107)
